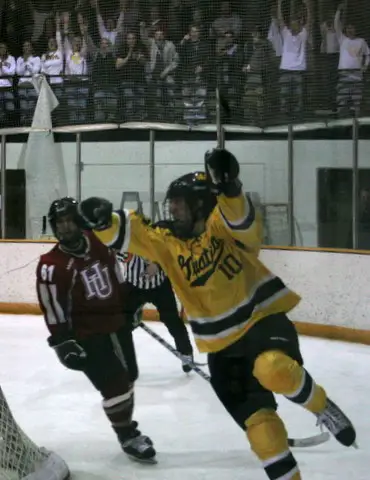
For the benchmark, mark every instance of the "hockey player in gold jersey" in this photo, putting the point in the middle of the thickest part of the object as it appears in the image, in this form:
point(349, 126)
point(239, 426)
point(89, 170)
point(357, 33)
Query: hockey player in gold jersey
point(236, 307)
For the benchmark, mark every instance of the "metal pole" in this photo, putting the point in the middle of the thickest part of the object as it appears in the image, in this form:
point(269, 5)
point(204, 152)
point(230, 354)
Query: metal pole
point(220, 130)
point(79, 167)
point(355, 184)
point(291, 185)
point(3, 186)
point(152, 174)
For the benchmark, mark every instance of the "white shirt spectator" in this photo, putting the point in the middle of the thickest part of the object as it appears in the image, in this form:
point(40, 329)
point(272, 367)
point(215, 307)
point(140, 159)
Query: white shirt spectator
point(7, 68)
point(274, 36)
point(27, 68)
point(329, 39)
point(52, 62)
point(294, 50)
point(352, 51)
point(75, 60)
point(75, 64)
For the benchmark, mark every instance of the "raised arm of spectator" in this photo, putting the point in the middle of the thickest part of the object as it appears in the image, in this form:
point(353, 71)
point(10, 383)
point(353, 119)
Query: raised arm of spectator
point(280, 16)
point(121, 17)
point(88, 46)
point(308, 24)
point(99, 18)
point(58, 34)
point(337, 20)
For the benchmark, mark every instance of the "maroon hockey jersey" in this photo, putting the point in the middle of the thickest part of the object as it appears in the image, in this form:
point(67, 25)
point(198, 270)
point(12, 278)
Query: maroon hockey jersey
point(83, 294)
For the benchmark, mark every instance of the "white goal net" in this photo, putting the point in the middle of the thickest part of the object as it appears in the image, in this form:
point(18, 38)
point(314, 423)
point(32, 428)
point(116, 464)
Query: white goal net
point(20, 458)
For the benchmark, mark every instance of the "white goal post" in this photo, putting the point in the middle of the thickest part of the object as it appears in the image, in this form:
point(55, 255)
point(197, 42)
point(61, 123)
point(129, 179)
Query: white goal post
point(20, 458)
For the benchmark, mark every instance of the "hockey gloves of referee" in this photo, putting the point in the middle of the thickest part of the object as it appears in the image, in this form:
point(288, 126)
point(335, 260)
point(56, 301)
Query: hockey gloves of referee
point(69, 352)
point(223, 172)
point(96, 213)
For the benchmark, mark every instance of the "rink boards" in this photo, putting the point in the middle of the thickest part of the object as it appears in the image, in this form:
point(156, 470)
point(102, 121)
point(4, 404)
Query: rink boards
point(334, 285)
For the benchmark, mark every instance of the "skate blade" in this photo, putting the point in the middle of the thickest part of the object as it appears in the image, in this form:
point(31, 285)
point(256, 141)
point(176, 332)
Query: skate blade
point(143, 461)
point(355, 446)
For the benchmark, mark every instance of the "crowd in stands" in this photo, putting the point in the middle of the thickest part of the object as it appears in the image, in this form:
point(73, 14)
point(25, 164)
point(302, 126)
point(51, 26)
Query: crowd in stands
point(136, 60)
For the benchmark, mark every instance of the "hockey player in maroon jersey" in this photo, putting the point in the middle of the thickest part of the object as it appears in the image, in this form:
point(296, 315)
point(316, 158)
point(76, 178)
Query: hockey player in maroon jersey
point(81, 295)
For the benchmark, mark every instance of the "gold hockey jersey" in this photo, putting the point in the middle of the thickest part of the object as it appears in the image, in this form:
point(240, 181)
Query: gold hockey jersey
point(218, 277)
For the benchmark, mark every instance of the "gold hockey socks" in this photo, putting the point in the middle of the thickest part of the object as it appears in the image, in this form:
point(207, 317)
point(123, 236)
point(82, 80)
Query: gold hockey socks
point(279, 373)
point(269, 441)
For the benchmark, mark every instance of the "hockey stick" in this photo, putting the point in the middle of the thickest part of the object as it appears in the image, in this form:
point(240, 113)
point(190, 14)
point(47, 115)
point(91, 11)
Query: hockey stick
point(293, 442)
point(195, 366)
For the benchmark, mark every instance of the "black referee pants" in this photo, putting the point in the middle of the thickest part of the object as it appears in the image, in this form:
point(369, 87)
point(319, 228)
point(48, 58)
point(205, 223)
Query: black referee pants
point(163, 298)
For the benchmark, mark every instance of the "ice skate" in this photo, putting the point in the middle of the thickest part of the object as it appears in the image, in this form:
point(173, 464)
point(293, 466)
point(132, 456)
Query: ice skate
point(137, 447)
point(338, 424)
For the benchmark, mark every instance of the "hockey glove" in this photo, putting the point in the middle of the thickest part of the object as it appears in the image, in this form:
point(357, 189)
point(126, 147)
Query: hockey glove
point(70, 353)
point(223, 171)
point(96, 212)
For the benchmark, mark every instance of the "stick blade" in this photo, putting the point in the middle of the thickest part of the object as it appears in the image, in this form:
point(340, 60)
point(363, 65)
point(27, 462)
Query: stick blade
point(313, 441)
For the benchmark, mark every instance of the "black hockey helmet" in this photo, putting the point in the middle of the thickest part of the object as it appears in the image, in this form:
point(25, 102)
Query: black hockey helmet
point(195, 189)
point(61, 208)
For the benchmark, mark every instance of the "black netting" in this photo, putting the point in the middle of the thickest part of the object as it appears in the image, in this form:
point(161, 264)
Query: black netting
point(139, 60)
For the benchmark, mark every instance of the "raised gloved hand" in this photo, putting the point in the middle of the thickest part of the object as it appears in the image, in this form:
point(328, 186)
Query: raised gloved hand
point(96, 212)
point(223, 170)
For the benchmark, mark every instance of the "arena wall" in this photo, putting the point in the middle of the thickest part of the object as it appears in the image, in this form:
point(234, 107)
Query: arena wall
point(335, 287)
point(113, 167)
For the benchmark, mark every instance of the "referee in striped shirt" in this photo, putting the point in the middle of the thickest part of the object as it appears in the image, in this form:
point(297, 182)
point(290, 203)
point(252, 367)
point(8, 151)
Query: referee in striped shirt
point(147, 283)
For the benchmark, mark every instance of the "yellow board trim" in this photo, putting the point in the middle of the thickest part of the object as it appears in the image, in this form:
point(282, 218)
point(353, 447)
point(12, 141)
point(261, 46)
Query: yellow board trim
point(331, 332)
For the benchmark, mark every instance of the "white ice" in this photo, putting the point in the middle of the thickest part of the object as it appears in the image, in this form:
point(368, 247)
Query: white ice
point(194, 436)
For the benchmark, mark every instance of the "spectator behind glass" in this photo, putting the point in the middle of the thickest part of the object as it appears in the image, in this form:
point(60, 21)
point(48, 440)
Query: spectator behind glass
point(18, 20)
point(179, 18)
point(261, 76)
point(75, 56)
point(226, 22)
point(194, 54)
point(7, 69)
point(52, 60)
point(7, 66)
point(293, 64)
point(41, 12)
point(130, 63)
point(131, 16)
point(86, 14)
point(229, 68)
point(76, 67)
point(199, 21)
point(353, 62)
point(104, 77)
point(147, 30)
point(110, 28)
point(49, 31)
point(27, 65)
